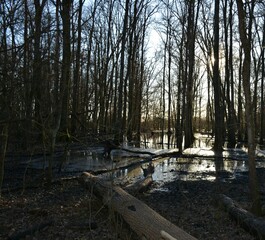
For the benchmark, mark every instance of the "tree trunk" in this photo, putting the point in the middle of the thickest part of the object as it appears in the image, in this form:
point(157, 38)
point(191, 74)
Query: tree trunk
point(262, 106)
point(239, 99)
point(169, 83)
point(229, 77)
point(246, 45)
point(191, 28)
point(119, 121)
point(163, 90)
point(37, 62)
point(178, 127)
point(218, 102)
point(76, 78)
point(26, 77)
point(250, 222)
point(231, 67)
point(132, 73)
point(3, 146)
point(66, 65)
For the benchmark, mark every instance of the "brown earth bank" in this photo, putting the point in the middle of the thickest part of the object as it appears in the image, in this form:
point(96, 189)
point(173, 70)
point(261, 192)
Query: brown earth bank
point(68, 211)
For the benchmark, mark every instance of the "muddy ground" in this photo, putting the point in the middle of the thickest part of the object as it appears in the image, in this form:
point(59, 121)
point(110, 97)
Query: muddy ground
point(68, 211)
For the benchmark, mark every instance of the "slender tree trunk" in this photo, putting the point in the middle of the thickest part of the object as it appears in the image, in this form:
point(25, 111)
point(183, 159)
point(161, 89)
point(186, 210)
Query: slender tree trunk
point(115, 100)
point(3, 146)
point(246, 45)
point(188, 127)
point(163, 103)
point(178, 127)
point(191, 36)
point(119, 123)
point(239, 96)
point(87, 95)
point(37, 63)
point(142, 78)
point(131, 74)
point(4, 104)
point(77, 70)
point(26, 76)
point(169, 85)
point(57, 54)
point(262, 105)
point(256, 67)
point(228, 78)
point(231, 67)
point(218, 102)
point(209, 116)
point(66, 65)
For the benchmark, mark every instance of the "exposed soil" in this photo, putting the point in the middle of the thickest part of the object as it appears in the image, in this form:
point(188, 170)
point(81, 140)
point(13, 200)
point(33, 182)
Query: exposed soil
point(68, 211)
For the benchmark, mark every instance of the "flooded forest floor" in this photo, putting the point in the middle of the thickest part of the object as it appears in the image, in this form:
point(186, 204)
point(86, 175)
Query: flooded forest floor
point(68, 211)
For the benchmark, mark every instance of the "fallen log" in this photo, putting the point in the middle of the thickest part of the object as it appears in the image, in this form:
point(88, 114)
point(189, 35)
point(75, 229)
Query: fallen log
point(140, 186)
point(251, 223)
point(143, 220)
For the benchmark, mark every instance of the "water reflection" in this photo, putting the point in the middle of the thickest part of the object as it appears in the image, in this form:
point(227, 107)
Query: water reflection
point(158, 141)
point(200, 163)
point(198, 169)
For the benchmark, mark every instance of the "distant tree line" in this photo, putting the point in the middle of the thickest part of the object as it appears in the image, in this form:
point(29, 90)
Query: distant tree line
point(70, 68)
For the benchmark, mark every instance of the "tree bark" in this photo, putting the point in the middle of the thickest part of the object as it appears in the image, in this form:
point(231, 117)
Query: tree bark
point(218, 102)
point(239, 100)
point(246, 45)
point(66, 65)
point(191, 31)
point(119, 121)
point(229, 76)
point(248, 221)
point(143, 220)
point(77, 71)
point(4, 102)
point(262, 105)
point(3, 146)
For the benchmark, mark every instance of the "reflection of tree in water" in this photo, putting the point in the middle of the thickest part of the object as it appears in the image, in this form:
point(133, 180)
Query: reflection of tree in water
point(219, 166)
point(149, 170)
point(158, 141)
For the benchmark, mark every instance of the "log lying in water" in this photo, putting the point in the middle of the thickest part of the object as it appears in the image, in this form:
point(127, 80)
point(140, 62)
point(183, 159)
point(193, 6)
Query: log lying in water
point(140, 186)
point(144, 221)
point(251, 223)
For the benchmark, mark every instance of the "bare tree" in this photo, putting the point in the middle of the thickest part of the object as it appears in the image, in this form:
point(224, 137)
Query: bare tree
point(37, 82)
point(228, 41)
point(262, 105)
point(4, 105)
point(119, 125)
point(245, 37)
point(66, 65)
point(218, 101)
point(77, 72)
point(190, 64)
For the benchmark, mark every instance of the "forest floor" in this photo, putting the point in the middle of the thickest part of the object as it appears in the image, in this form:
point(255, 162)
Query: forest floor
point(68, 211)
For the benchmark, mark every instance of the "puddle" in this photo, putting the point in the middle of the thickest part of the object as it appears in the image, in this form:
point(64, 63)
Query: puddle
point(199, 163)
point(234, 163)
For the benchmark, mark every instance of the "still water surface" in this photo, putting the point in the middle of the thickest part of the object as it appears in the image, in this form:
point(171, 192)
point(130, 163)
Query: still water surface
point(200, 161)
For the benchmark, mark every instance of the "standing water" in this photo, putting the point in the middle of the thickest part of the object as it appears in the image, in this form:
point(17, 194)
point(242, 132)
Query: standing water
point(197, 163)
